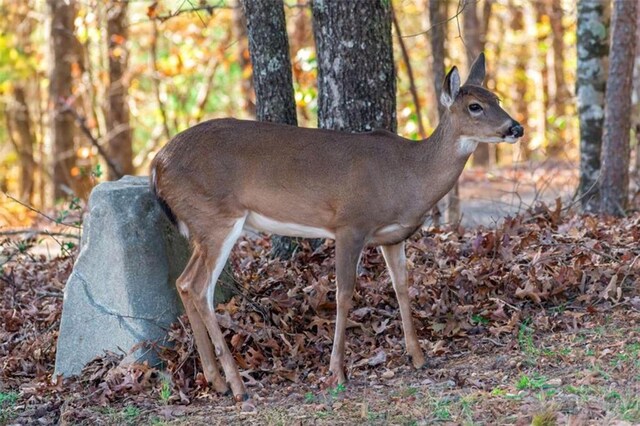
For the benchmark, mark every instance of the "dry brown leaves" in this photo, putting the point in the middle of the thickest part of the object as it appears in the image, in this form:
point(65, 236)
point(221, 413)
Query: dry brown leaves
point(465, 285)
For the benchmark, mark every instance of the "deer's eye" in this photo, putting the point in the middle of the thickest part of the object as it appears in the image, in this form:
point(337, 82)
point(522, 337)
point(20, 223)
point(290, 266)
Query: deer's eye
point(475, 108)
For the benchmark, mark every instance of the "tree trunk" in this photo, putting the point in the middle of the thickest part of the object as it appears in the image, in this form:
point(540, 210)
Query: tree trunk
point(269, 50)
point(438, 27)
point(636, 94)
point(19, 127)
point(474, 39)
point(617, 115)
point(437, 16)
point(118, 127)
point(239, 28)
point(356, 78)
point(562, 96)
point(541, 16)
point(272, 80)
point(593, 48)
point(520, 76)
point(62, 125)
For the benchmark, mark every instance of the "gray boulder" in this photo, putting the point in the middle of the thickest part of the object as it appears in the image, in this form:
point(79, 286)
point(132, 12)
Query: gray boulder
point(122, 288)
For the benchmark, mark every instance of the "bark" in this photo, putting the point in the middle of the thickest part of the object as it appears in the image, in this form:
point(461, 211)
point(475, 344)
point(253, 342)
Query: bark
point(437, 17)
point(272, 79)
point(19, 126)
point(593, 48)
point(473, 29)
point(562, 95)
point(62, 45)
point(520, 77)
point(269, 50)
point(356, 78)
point(118, 127)
point(617, 115)
point(541, 16)
point(636, 93)
point(239, 29)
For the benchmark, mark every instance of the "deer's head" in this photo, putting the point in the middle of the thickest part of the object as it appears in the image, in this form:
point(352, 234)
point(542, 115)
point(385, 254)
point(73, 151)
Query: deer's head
point(475, 111)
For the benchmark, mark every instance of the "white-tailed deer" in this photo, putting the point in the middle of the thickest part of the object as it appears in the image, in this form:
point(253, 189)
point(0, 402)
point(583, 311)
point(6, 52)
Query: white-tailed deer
point(222, 176)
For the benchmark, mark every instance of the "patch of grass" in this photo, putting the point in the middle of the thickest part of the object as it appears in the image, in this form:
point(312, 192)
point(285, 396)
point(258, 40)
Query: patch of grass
point(410, 391)
point(335, 392)
point(441, 410)
point(629, 408)
point(498, 392)
point(525, 341)
point(479, 319)
point(579, 390)
point(7, 401)
point(131, 413)
point(545, 418)
point(309, 398)
point(8, 398)
point(165, 391)
point(466, 408)
point(534, 382)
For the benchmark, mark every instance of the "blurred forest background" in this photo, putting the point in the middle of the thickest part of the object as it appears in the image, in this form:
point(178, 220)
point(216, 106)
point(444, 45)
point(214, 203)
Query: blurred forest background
point(91, 89)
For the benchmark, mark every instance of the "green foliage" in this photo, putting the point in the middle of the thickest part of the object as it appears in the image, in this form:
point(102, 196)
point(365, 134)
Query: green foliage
point(533, 382)
point(165, 391)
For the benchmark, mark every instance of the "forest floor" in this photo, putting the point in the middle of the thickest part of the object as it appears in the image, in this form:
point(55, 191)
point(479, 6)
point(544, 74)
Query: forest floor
point(534, 321)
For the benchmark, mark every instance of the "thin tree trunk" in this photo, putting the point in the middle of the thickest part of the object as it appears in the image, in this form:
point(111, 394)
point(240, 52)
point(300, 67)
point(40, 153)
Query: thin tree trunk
point(617, 115)
point(474, 43)
point(19, 126)
point(118, 127)
point(562, 96)
point(437, 17)
point(356, 78)
point(593, 48)
point(272, 80)
point(438, 27)
point(62, 126)
point(636, 91)
point(541, 16)
point(520, 76)
point(239, 25)
point(412, 82)
point(156, 80)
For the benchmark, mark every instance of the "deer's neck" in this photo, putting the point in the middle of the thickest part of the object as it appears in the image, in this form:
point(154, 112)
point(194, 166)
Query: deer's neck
point(444, 155)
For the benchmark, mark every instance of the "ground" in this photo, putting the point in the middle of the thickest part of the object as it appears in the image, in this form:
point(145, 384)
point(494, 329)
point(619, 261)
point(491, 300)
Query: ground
point(535, 321)
point(590, 375)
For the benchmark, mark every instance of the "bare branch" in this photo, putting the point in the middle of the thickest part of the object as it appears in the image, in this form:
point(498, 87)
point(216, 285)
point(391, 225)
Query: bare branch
point(461, 5)
point(82, 123)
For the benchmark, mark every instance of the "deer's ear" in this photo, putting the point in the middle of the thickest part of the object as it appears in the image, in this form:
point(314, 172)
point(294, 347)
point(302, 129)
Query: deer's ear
point(477, 72)
point(450, 88)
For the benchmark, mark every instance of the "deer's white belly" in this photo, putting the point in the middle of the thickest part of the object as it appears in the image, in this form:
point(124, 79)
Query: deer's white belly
point(257, 222)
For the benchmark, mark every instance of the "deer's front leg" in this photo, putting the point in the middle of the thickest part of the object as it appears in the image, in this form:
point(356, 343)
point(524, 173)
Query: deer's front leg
point(348, 249)
point(397, 265)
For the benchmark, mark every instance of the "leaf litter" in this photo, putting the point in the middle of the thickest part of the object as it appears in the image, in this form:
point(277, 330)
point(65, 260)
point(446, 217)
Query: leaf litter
point(474, 295)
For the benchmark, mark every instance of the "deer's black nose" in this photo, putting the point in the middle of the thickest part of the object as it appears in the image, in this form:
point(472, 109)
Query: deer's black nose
point(516, 130)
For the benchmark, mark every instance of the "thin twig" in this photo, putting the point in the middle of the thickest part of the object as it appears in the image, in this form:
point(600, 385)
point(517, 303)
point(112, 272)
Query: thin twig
point(82, 122)
point(461, 7)
point(39, 232)
point(41, 213)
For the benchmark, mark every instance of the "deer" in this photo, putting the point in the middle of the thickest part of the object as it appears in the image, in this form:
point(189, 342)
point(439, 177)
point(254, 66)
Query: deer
point(223, 176)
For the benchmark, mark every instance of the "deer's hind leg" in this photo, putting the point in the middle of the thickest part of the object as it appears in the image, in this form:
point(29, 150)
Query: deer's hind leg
point(215, 246)
point(196, 271)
